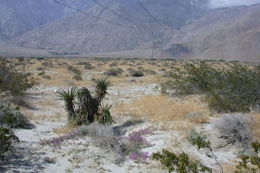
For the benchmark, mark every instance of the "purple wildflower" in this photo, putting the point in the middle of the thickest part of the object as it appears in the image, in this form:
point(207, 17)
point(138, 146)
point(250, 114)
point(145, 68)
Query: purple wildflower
point(144, 155)
point(133, 156)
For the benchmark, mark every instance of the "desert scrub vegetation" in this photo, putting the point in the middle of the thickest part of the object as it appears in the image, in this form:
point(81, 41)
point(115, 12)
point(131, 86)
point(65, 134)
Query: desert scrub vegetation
point(84, 108)
point(250, 162)
point(136, 73)
point(7, 140)
point(236, 128)
point(114, 72)
point(13, 81)
point(105, 137)
point(201, 141)
point(86, 65)
point(181, 163)
point(13, 117)
point(231, 89)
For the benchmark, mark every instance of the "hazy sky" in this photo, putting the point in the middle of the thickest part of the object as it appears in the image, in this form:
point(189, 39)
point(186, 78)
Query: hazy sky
point(226, 3)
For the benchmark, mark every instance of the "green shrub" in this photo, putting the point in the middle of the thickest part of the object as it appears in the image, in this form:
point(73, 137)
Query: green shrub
point(114, 72)
point(201, 141)
point(180, 163)
point(250, 163)
point(77, 77)
point(13, 118)
point(198, 139)
point(136, 73)
point(7, 139)
point(14, 82)
point(74, 70)
point(86, 65)
point(233, 89)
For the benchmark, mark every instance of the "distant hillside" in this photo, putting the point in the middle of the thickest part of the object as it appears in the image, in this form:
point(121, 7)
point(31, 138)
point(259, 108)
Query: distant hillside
point(231, 34)
point(130, 26)
point(162, 28)
point(20, 16)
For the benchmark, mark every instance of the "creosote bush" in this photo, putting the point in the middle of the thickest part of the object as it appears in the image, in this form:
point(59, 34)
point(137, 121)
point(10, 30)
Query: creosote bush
point(114, 72)
point(180, 163)
point(136, 73)
point(236, 128)
point(14, 82)
point(232, 89)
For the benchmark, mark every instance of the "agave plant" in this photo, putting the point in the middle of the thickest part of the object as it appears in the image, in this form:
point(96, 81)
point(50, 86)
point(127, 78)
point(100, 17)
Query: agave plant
point(105, 115)
point(101, 86)
point(69, 97)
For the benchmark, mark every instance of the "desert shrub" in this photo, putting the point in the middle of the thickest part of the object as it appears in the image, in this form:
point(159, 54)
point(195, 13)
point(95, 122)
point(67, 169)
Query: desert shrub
point(7, 139)
point(46, 77)
point(41, 73)
point(74, 70)
point(113, 64)
point(201, 141)
point(250, 163)
point(87, 65)
point(180, 163)
point(14, 82)
point(228, 90)
point(12, 118)
point(114, 72)
point(136, 73)
point(235, 127)
point(77, 77)
point(103, 136)
point(198, 139)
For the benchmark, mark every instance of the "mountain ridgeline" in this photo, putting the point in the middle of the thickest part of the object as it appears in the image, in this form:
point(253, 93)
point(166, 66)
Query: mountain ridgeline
point(172, 28)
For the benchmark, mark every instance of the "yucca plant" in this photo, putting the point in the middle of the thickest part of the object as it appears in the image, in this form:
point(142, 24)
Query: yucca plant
point(87, 108)
point(105, 116)
point(69, 97)
point(101, 86)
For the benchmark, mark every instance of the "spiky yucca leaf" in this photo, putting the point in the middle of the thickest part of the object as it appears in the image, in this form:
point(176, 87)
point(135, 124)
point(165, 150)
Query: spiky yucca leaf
point(101, 86)
point(105, 115)
point(68, 96)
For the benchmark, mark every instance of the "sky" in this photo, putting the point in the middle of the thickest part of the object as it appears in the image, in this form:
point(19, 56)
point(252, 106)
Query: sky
point(227, 3)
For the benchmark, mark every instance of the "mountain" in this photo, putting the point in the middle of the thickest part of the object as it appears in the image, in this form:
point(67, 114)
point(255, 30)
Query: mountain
point(165, 28)
point(120, 25)
point(20, 16)
point(231, 34)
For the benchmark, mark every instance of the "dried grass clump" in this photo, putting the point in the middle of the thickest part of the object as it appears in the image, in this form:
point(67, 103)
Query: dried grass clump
point(103, 136)
point(163, 108)
point(236, 128)
point(255, 125)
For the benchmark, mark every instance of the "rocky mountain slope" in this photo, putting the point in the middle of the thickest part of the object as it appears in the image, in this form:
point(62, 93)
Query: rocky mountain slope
point(18, 17)
point(120, 25)
point(232, 33)
point(173, 29)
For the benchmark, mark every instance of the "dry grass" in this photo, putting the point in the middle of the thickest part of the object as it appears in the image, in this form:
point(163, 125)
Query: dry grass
point(64, 129)
point(159, 108)
point(256, 126)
